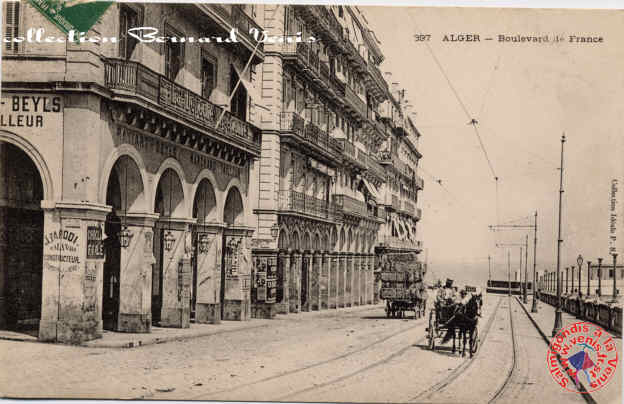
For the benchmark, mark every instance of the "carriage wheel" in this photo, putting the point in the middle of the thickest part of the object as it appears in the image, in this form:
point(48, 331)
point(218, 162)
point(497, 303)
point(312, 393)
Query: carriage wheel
point(474, 341)
point(430, 333)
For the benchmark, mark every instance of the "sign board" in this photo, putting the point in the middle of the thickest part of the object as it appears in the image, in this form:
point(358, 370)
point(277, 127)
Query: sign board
point(95, 246)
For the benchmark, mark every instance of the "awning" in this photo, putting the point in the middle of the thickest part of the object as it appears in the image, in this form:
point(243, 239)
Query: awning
point(252, 91)
point(371, 189)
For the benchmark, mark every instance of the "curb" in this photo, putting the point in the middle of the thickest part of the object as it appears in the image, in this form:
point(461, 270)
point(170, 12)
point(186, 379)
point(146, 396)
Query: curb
point(586, 395)
point(160, 340)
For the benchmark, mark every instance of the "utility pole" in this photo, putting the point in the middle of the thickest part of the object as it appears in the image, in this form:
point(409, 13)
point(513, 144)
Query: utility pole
point(526, 255)
point(557, 325)
point(534, 305)
point(489, 268)
point(508, 260)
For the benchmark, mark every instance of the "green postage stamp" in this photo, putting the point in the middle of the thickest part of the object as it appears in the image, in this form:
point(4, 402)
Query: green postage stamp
point(68, 15)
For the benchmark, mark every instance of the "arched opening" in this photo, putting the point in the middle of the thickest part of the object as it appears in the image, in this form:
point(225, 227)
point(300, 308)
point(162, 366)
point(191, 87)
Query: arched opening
point(168, 203)
point(282, 241)
point(317, 242)
point(342, 240)
point(349, 246)
point(294, 243)
point(21, 241)
point(233, 212)
point(124, 192)
point(205, 211)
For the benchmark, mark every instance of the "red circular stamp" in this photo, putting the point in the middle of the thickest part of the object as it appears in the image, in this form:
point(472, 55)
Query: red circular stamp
point(586, 353)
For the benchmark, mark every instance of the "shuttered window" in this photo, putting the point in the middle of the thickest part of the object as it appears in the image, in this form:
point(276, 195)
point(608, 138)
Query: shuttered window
point(11, 25)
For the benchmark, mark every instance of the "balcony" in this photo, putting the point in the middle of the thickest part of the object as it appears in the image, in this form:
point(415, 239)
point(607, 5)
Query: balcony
point(311, 137)
point(323, 21)
point(375, 168)
point(408, 208)
point(396, 243)
point(297, 202)
point(420, 183)
point(350, 206)
point(351, 154)
point(396, 203)
point(134, 82)
point(221, 19)
point(418, 214)
point(375, 81)
point(354, 56)
point(355, 103)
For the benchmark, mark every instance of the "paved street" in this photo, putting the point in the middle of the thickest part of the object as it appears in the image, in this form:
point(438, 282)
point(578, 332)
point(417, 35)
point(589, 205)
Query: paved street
point(346, 355)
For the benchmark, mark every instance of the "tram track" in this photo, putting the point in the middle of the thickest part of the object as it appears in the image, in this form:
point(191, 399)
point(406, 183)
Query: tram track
point(458, 371)
point(514, 355)
point(288, 373)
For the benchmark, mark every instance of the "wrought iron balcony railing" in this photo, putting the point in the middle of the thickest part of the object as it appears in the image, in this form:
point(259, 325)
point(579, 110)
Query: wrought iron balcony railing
point(135, 79)
point(395, 242)
point(293, 201)
point(350, 205)
point(356, 103)
point(293, 122)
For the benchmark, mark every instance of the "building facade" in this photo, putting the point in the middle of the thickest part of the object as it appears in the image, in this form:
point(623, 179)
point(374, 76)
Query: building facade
point(159, 183)
point(337, 177)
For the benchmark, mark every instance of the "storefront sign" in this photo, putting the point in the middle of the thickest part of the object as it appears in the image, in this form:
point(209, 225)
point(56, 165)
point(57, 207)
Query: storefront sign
point(61, 250)
point(30, 111)
point(95, 246)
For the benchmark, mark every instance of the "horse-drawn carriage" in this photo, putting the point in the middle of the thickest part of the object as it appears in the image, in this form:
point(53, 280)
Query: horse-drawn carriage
point(402, 285)
point(450, 319)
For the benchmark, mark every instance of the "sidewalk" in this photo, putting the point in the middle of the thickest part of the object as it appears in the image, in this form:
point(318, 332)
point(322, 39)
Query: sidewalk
point(545, 318)
point(160, 335)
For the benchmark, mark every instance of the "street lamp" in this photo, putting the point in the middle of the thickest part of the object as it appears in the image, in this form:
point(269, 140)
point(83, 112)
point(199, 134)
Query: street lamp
point(588, 278)
point(567, 277)
point(557, 325)
point(599, 277)
point(169, 239)
point(579, 261)
point(614, 298)
point(124, 236)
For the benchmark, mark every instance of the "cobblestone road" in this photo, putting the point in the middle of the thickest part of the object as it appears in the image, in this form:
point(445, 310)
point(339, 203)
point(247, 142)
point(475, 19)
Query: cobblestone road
point(350, 355)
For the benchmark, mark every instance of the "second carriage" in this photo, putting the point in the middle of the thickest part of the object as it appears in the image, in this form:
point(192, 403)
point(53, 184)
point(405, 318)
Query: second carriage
point(402, 285)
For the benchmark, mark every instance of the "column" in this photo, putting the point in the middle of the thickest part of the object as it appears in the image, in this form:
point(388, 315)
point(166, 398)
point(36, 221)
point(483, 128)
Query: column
point(208, 276)
point(283, 305)
point(371, 279)
point(363, 267)
point(325, 281)
point(342, 280)
point(333, 283)
point(306, 269)
point(71, 309)
point(315, 279)
point(349, 281)
point(357, 260)
point(135, 275)
point(294, 302)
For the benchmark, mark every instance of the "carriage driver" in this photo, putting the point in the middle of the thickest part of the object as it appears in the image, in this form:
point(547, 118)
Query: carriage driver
point(447, 293)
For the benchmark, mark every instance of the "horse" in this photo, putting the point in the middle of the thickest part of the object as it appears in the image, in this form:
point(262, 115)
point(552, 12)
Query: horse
point(464, 320)
point(467, 318)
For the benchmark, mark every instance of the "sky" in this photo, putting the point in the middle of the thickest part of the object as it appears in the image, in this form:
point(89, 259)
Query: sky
point(524, 97)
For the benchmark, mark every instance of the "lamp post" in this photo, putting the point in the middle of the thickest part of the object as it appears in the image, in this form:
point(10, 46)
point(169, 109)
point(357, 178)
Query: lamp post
point(572, 279)
point(579, 261)
point(614, 297)
point(588, 278)
point(599, 277)
point(526, 256)
point(566, 289)
point(534, 305)
point(557, 325)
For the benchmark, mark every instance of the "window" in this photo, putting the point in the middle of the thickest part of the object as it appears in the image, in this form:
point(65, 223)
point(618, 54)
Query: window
point(129, 17)
point(340, 12)
point(208, 74)
point(174, 54)
point(238, 105)
point(11, 25)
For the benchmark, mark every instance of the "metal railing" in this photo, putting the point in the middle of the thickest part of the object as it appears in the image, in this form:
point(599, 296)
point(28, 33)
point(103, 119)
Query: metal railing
point(292, 121)
point(350, 205)
point(294, 201)
point(356, 102)
point(245, 23)
point(395, 242)
point(377, 76)
point(135, 78)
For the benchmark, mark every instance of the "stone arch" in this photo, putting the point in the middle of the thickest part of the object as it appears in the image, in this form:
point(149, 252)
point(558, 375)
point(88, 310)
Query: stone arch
point(234, 184)
point(295, 241)
point(204, 202)
point(307, 241)
point(200, 180)
point(172, 167)
point(130, 152)
point(233, 208)
point(125, 178)
point(36, 158)
point(283, 240)
point(169, 195)
point(341, 247)
point(317, 242)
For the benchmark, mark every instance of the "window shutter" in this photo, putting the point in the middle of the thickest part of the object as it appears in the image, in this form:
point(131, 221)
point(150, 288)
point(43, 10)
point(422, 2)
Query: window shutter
point(11, 24)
